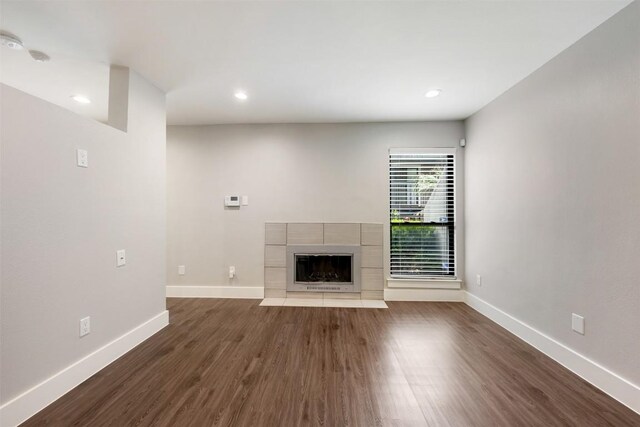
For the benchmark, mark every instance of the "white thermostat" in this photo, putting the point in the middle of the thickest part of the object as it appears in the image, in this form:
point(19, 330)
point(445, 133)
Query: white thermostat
point(232, 200)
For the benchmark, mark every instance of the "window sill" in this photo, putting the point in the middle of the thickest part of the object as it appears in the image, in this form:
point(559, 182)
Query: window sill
point(394, 282)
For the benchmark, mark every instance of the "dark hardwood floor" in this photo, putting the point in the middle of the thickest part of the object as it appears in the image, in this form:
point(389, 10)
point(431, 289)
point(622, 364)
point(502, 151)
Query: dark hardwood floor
point(233, 363)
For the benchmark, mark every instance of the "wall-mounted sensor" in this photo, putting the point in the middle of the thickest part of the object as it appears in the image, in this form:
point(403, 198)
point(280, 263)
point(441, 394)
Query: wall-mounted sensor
point(232, 200)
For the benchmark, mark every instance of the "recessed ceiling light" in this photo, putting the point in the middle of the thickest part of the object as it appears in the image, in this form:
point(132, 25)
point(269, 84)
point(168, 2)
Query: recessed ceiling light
point(39, 56)
point(11, 41)
point(432, 93)
point(81, 99)
point(242, 96)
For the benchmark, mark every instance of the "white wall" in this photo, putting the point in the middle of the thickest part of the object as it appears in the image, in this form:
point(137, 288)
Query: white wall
point(302, 172)
point(553, 197)
point(61, 226)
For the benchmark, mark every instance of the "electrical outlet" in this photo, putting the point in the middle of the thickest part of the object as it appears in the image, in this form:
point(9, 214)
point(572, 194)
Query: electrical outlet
point(232, 272)
point(577, 323)
point(478, 280)
point(181, 270)
point(121, 258)
point(82, 158)
point(85, 326)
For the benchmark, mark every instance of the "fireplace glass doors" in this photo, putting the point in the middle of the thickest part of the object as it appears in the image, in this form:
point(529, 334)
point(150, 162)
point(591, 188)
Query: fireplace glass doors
point(327, 268)
point(323, 268)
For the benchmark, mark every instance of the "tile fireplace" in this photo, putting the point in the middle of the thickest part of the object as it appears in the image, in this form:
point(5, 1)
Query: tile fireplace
point(333, 260)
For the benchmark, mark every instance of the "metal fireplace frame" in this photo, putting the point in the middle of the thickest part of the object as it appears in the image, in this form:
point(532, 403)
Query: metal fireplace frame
point(353, 250)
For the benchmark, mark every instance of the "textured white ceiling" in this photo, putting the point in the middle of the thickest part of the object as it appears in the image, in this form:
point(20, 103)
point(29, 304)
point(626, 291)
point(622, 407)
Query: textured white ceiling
point(298, 61)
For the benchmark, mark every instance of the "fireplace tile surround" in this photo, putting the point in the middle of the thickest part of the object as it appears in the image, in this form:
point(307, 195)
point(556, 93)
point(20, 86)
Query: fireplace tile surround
point(367, 236)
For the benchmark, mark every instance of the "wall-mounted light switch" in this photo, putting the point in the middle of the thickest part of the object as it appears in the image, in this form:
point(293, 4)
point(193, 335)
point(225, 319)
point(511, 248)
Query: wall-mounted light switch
point(121, 258)
point(181, 270)
point(245, 200)
point(478, 280)
point(82, 158)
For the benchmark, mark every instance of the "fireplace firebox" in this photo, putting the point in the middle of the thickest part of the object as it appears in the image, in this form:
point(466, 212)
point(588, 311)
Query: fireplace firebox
point(318, 268)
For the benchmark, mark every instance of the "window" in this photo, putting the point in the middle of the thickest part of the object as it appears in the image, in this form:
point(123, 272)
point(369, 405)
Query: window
point(422, 212)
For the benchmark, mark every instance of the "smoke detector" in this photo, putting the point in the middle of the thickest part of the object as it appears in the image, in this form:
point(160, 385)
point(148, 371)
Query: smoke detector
point(11, 41)
point(39, 56)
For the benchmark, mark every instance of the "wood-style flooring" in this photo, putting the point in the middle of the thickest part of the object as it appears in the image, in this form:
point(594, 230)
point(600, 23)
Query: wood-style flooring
point(234, 363)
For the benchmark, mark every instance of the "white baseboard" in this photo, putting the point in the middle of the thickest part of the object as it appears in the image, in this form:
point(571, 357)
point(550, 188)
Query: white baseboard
point(190, 291)
point(455, 295)
point(24, 406)
point(614, 385)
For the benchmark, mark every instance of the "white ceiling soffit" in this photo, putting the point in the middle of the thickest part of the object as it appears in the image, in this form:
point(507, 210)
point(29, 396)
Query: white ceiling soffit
point(58, 80)
point(297, 61)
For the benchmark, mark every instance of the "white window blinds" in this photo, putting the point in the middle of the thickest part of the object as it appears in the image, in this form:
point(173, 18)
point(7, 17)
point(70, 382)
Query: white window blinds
point(422, 212)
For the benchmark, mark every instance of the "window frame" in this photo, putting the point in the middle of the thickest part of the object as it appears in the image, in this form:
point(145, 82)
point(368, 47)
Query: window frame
point(450, 225)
